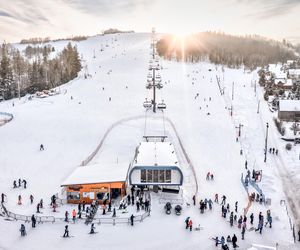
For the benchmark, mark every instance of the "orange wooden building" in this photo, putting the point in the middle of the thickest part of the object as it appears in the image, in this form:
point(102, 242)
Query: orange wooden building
point(100, 182)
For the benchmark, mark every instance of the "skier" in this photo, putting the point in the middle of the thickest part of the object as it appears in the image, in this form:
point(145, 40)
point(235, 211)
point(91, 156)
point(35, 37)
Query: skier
point(194, 200)
point(15, 184)
point(41, 203)
point(276, 152)
point(231, 219)
point(234, 240)
point(236, 206)
point(23, 230)
point(273, 149)
point(74, 215)
point(216, 198)
point(66, 216)
point(42, 147)
point(246, 164)
point(2, 197)
point(223, 200)
point(190, 225)
point(31, 198)
point(33, 220)
point(131, 219)
point(92, 229)
point(19, 182)
point(243, 232)
point(251, 218)
point(187, 222)
point(66, 234)
point(19, 200)
point(25, 183)
point(207, 176)
point(38, 208)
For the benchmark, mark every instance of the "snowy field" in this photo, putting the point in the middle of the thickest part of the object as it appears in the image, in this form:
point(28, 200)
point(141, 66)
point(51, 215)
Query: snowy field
point(71, 129)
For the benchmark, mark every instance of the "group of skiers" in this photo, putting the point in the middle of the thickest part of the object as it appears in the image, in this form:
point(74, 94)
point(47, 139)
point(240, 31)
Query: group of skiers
point(273, 151)
point(224, 244)
point(209, 176)
point(20, 181)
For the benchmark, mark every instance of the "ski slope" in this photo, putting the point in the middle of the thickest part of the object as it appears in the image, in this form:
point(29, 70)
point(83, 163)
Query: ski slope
point(71, 128)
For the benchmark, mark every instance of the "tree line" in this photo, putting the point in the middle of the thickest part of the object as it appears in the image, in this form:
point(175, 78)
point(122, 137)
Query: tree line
point(32, 70)
point(220, 48)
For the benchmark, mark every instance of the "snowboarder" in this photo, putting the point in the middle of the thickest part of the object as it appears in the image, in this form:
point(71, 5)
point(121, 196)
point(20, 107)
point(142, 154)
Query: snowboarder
point(23, 230)
point(194, 200)
point(42, 147)
point(190, 225)
point(131, 219)
point(66, 234)
point(2, 197)
point(234, 240)
point(25, 183)
point(33, 220)
point(92, 229)
point(31, 198)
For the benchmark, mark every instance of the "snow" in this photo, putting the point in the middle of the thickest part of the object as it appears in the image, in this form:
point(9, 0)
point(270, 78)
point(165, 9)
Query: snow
point(98, 173)
point(156, 154)
point(71, 130)
point(289, 105)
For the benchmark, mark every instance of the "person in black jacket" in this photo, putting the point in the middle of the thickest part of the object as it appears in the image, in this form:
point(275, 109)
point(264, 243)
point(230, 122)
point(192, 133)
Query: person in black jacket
point(33, 220)
point(234, 240)
point(66, 234)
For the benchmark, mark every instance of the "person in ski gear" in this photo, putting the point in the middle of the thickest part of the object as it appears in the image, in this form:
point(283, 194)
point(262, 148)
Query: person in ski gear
point(216, 198)
point(217, 241)
point(54, 206)
point(231, 219)
point(19, 182)
point(260, 225)
point(2, 197)
point(131, 219)
point(92, 229)
point(114, 212)
point(223, 200)
point(187, 222)
point(240, 221)
point(33, 221)
point(66, 234)
point(42, 147)
point(194, 200)
point(210, 203)
point(24, 183)
point(19, 200)
point(234, 240)
point(66, 216)
point(31, 199)
point(103, 209)
point(74, 215)
point(236, 206)
point(243, 231)
point(23, 230)
point(41, 203)
point(222, 240)
point(228, 239)
point(15, 184)
point(38, 208)
point(190, 225)
point(251, 218)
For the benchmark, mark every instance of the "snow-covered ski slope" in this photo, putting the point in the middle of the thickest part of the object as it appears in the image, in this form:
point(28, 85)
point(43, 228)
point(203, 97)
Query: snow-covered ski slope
point(70, 129)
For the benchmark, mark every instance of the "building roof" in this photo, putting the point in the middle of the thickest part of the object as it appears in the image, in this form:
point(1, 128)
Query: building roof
point(156, 154)
point(98, 173)
point(289, 105)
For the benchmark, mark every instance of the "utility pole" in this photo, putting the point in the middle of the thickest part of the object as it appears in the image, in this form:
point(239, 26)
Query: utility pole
point(266, 143)
point(232, 91)
point(154, 92)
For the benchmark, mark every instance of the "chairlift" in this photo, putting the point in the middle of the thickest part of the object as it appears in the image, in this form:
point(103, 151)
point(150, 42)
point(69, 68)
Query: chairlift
point(147, 104)
point(161, 105)
point(148, 86)
point(159, 85)
point(149, 80)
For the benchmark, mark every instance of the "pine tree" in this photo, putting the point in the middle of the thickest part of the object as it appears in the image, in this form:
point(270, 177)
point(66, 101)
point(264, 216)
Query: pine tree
point(7, 84)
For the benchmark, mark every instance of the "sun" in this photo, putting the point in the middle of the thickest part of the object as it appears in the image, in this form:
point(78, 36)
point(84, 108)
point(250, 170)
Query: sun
point(180, 35)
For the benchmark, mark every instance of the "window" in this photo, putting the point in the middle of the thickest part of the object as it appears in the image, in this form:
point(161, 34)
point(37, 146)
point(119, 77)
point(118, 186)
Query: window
point(149, 175)
point(162, 176)
point(143, 175)
point(73, 195)
point(155, 176)
point(168, 176)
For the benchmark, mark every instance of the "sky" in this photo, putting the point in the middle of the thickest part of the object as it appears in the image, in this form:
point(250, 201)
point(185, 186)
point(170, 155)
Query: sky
point(275, 19)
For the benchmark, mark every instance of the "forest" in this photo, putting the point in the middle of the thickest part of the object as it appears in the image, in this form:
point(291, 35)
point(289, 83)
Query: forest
point(220, 48)
point(31, 70)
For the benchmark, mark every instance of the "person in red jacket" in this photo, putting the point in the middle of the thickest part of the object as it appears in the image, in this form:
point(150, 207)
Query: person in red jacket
point(191, 225)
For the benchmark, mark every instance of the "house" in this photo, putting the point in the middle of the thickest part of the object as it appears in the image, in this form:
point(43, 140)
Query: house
point(289, 110)
point(101, 182)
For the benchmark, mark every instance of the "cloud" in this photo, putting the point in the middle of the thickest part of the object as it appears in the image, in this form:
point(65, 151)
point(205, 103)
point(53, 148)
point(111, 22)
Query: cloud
point(270, 8)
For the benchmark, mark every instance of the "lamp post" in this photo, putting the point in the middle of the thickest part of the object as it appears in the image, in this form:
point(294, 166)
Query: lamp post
point(266, 143)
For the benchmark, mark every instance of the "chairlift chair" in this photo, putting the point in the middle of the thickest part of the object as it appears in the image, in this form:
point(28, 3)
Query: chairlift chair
point(147, 104)
point(149, 86)
point(159, 85)
point(161, 105)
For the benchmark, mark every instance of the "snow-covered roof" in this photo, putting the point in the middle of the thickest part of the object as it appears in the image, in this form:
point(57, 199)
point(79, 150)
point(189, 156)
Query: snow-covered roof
point(289, 105)
point(156, 154)
point(98, 173)
point(294, 72)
